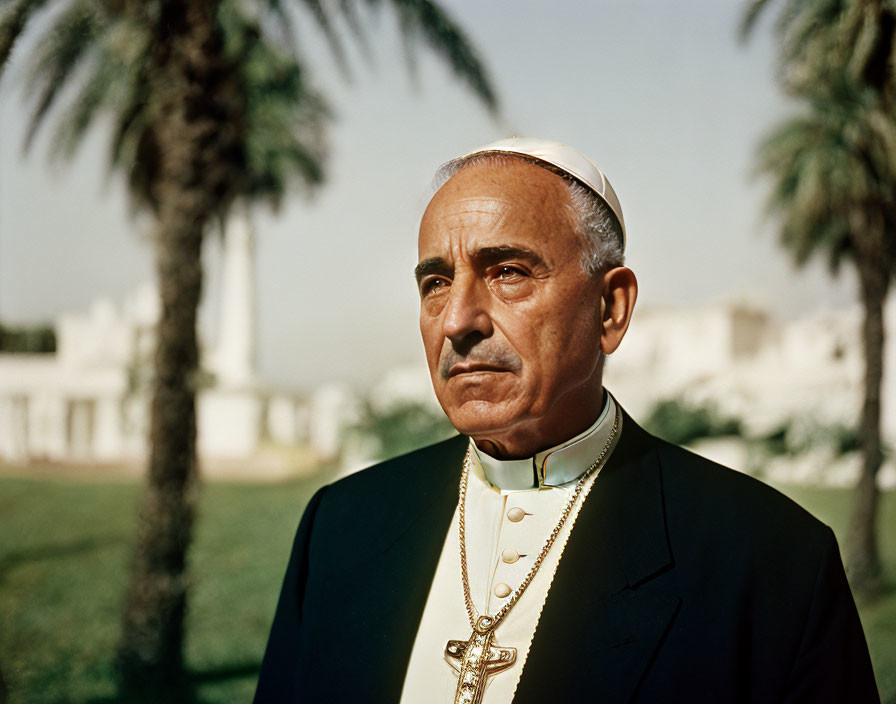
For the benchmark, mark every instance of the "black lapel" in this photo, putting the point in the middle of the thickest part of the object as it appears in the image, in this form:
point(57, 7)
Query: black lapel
point(376, 595)
point(598, 631)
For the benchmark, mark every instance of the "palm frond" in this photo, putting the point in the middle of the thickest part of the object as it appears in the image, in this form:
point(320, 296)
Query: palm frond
point(817, 39)
point(114, 74)
point(325, 22)
point(132, 115)
point(861, 23)
point(95, 57)
point(831, 169)
point(754, 9)
point(286, 123)
point(281, 25)
point(408, 32)
point(66, 43)
point(427, 22)
point(808, 46)
point(12, 24)
point(75, 120)
point(349, 11)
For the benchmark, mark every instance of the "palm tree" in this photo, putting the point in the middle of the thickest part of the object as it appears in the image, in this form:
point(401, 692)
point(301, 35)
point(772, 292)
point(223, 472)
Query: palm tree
point(819, 39)
point(833, 171)
point(839, 55)
point(210, 102)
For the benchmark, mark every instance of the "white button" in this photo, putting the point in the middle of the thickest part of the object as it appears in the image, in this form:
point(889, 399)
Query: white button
point(516, 514)
point(510, 556)
point(502, 590)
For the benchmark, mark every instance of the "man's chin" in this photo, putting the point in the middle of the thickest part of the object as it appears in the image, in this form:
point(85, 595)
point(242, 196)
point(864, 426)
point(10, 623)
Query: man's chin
point(480, 417)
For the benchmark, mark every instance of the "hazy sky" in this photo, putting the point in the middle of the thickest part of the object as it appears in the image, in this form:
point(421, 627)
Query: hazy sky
point(660, 94)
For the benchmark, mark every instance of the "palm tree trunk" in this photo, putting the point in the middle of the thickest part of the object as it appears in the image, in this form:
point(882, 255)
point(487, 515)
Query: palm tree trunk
point(152, 642)
point(863, 557)
point(150, 654)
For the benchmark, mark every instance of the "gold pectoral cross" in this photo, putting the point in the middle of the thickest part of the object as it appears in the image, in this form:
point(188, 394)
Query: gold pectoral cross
point(479, 659)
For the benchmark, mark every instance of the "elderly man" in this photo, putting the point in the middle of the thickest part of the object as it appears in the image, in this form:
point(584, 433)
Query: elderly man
point(554, 551)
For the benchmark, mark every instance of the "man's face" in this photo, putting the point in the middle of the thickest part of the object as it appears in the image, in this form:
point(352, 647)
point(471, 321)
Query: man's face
point(511, 322)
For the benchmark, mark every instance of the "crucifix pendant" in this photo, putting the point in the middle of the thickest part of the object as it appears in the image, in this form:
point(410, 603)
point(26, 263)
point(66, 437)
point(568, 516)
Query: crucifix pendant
point(479, 659)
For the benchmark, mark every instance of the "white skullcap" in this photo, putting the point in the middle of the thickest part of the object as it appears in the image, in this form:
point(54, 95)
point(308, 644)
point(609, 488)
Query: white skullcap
point(563, 158)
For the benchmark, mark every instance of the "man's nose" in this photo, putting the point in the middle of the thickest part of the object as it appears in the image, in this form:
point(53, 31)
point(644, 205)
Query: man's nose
point(466, 312)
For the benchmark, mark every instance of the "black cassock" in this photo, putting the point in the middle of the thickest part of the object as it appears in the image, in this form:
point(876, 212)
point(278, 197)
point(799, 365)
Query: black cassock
point(682, 581)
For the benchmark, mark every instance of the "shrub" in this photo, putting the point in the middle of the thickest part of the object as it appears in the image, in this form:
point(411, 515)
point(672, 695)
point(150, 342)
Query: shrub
point(680, 423)
point(401, 427)
point(35, 339)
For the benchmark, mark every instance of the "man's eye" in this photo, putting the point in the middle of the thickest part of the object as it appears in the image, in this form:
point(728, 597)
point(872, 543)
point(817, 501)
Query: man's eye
point(432, 285)
point(509, 272)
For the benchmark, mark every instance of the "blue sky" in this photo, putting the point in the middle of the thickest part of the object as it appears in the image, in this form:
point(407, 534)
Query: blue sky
point(661, 94)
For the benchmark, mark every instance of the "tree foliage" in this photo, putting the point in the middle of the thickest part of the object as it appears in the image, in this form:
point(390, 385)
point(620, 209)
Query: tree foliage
point(821, 39)
point(400, 427)
point(679, 422)
point(208, 102)
point(31, 339)
point(833, 172)
point(104, 49)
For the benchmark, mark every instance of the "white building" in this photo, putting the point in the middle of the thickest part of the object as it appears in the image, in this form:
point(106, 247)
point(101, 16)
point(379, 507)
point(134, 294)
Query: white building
point(89, 402)
point(763, 372)
point(85, 401)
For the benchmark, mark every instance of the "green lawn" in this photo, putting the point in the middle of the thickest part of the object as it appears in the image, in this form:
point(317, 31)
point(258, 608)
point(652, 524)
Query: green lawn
point(64, 548)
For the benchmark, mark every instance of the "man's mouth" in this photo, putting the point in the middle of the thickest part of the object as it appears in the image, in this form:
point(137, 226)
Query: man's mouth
point(486, 357)
point(472, 368)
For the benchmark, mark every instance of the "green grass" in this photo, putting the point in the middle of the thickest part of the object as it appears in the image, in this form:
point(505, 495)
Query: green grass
point(64, 548)
point(64, 551)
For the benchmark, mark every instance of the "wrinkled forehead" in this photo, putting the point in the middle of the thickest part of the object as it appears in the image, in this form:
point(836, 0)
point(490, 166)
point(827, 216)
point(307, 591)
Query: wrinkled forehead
point(568, 162)
point(507, 203)
point(500, 186)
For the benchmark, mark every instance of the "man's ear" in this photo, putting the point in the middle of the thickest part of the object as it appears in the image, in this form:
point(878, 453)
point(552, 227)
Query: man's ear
point(616, 305)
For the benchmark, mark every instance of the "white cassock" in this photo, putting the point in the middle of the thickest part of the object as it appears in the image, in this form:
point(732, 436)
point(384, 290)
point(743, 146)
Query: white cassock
point(512, 507)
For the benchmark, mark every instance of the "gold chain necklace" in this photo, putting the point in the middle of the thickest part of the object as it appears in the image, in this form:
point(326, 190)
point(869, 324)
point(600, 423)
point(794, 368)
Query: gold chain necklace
point(480, 657)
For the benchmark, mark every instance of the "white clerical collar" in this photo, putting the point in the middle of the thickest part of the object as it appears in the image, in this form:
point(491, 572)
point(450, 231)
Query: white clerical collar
point(555, 466)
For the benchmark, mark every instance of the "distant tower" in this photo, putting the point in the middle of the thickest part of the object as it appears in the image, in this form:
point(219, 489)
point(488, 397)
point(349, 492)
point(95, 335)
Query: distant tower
point(235, 355)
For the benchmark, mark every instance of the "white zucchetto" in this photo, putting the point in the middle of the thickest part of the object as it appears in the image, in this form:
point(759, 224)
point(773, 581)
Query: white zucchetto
point(560, 156)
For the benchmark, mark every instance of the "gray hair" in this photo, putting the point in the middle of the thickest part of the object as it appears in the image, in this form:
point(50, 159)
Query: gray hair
point(600, 231)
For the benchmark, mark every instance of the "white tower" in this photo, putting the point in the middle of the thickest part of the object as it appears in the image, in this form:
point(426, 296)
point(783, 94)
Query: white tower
point(235, 354)
point(229, 413)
